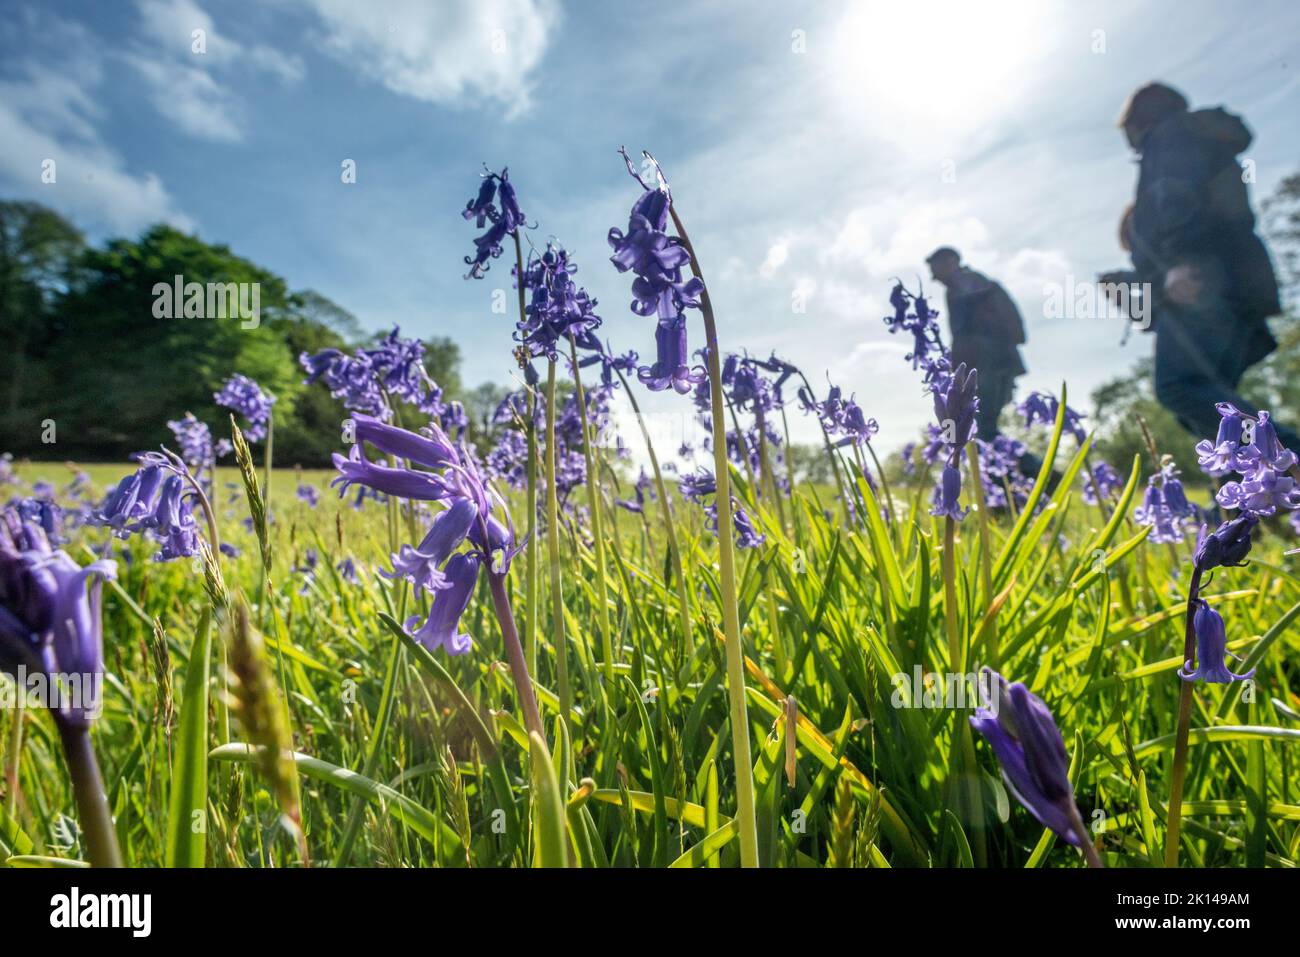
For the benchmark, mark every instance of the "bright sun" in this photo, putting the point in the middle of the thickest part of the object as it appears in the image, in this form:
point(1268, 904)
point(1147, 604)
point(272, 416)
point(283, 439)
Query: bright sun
point(943, 64)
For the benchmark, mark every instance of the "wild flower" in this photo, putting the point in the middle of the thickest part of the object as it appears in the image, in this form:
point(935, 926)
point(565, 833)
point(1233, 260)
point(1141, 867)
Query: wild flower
point(242, 395)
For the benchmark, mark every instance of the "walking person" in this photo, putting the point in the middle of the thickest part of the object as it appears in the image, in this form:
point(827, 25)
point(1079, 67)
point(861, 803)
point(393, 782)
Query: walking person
point(1193, 243)
point(986, 331)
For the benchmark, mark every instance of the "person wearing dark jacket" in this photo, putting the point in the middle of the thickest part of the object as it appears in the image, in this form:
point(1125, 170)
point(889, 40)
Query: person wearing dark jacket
point(986, 332)
point(1193, 240)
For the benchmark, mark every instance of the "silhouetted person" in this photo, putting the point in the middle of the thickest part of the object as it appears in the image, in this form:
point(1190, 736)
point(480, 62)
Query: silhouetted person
point(986, 332)
point(1192, 237)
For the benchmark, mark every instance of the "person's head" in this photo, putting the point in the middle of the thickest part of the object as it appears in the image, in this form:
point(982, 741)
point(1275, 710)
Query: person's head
point(945, 263)
point(1146, 108)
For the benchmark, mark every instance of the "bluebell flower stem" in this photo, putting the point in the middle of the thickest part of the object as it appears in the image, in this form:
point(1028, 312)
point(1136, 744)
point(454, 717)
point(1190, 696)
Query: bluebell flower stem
point(986, 553)
point(1178, 775)
point(515, 655)
point(98, 836)
point(595, 504)
point(746, 822)
point(669, 530)
point(530, 548)
point(553, 554)
point(966, 771)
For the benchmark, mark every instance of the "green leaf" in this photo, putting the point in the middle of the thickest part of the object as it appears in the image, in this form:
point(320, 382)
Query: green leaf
point(186, 844)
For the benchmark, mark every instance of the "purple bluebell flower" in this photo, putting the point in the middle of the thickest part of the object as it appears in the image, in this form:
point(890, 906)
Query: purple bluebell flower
point(655, 257)
point(1229, 544)
point(347, 569)
point(1263, 491)
point(671, 366)
point(468, 518)
point(44, 513)
point(956, 401)
point(1165, 525)
point(242, 395)
point(309, 494)
point(194, 439)
point(442, 627)
point(1032, 756)
point(1224, 454)
point(1041, 408)
point(947, 494)
point(154, 500)
point(50, 617)
point(1101, 483)
point(1211, 648)
point(503, 219)
point(422, 565)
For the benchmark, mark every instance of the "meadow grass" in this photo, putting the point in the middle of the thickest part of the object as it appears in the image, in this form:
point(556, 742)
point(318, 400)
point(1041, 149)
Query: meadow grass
point(409, 758)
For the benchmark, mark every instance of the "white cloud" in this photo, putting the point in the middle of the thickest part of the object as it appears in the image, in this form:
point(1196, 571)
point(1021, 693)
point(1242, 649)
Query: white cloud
point(183, 48)
point(447, 52)
point(777, 254)
point(51, 115)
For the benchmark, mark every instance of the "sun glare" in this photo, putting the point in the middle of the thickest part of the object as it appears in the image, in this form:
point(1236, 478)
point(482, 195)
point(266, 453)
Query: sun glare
point(935, 63)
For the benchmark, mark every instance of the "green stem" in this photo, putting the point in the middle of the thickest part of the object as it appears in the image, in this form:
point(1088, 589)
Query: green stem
point(92, 803)
point(515, 655)
point(530, 549)
point(594, 503)
point(1179, 774)
point(553, 554)
point(986, 553)
point(669, 529)
point(11, 766)
point(746, 822)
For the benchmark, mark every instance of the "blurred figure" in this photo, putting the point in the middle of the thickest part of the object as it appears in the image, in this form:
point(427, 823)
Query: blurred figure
point(1192, 239)
point(986, 331)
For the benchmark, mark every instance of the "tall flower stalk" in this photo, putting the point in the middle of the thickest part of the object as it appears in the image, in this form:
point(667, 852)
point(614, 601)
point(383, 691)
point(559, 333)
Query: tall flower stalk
point(1249, 446)
point(661, 291)
point(597, 524)
point(51, 624)
point(670, 531)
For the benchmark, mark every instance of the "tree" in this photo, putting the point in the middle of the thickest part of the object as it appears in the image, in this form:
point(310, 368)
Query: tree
point(38, 252)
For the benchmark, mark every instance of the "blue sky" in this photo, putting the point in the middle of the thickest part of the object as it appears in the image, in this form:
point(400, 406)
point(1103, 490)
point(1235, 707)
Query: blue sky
point(815, 149)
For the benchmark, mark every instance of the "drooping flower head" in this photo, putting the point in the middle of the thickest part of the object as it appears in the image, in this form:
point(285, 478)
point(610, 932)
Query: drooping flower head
point(495, 204)
point(1041, 408)
point(50, 615)
point(659, 289)
point(1101, 483)
point(439, 472)
point(157, 501)
point(1211, 648)
point(1031, 753)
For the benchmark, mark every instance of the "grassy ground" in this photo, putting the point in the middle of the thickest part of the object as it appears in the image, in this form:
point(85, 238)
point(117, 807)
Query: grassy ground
point(1071, 601)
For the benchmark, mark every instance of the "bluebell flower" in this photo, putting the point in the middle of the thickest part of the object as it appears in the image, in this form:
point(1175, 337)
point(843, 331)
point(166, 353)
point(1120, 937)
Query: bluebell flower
point(947, 494)
point(1224, 454)
point(1032, 756)
point(50, 615)
point(503, 219)
point(309, 494)
point(1041, 408)
point(442, 628)
point(1229, 544)
point(242, 395)
point(1211, 648)
point(1102, 482)
point(671, 366)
